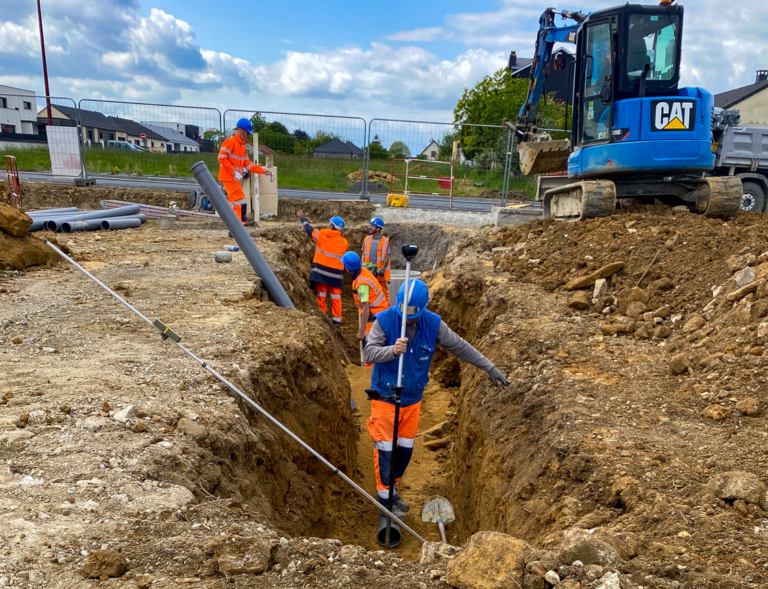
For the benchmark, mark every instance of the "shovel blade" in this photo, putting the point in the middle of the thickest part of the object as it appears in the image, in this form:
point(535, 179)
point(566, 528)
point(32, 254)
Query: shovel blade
point(544, 157)
point(438, 509)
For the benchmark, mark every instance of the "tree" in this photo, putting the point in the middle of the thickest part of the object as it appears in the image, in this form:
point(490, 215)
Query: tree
point(376, 151)
point(276, 127)
point(399, 150)
point(445, 152)
point(493, 99)
point(213, 135)
point(258, 122)
point(300, 135)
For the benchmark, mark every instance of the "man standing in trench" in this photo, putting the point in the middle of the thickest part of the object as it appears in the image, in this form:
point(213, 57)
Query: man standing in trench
point(424, 331)
point(376, 254)
point(327, 274)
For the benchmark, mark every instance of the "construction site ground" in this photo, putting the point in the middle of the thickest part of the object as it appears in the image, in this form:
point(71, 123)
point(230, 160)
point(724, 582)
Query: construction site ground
point(630, 440)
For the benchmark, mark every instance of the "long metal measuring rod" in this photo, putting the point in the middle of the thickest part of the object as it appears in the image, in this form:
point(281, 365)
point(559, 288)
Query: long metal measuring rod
point(169, 334)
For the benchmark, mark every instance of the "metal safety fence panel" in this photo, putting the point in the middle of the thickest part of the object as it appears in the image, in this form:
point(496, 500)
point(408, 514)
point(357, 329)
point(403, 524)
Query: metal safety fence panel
point(25, 134)
point(481, 155)
point(143, 139)
point(310, 151)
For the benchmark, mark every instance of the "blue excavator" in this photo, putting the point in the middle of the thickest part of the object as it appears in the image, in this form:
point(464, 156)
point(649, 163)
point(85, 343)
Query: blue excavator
point(634, 133)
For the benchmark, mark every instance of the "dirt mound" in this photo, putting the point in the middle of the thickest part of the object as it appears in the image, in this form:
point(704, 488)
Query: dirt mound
point(319, 211)
point(373, 176)
point(46, 195)
point(18, 249)
point(653, 441)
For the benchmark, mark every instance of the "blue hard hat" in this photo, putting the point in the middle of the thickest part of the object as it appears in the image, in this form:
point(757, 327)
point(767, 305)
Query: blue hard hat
point(377, 222)
point(351, 261)
point(338, 222)
point(245, 125)
point(417, 301)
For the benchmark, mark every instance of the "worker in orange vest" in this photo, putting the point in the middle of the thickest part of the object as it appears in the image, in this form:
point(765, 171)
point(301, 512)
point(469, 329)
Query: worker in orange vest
point(376, 254)
point(234, 165)
point(369, 296)
point(327, 274)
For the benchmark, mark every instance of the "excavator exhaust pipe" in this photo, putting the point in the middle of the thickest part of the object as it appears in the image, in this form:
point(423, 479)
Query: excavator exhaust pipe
point(544, 157)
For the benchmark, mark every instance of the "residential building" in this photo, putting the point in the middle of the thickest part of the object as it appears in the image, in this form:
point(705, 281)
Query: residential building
point(431, 151)
point(337, 149)
point(175, 141)
point(132, 132)
point(190, 131)
point(559, 75)
point(95, 128)
point(751, 101)
point(17, 111)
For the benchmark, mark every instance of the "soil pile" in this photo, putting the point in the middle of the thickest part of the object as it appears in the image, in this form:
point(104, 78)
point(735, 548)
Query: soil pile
point(18, 249)
point(373, 176)
point(654, 438)
point(47, 195)
point(319, 211)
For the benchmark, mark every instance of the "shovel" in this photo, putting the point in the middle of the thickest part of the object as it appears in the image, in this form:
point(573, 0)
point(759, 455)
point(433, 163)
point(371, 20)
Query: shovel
point(438, 511)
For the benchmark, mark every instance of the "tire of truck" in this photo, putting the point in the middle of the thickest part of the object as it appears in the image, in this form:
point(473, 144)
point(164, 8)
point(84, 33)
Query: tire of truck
point(753, 200)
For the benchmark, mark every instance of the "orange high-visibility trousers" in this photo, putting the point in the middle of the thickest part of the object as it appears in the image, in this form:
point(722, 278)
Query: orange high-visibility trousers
point(384, 284)
point(236, 198)
point(381, 427)
point(322, 292)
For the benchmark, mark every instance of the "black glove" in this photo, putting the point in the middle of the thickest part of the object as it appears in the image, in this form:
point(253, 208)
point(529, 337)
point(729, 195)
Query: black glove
point(497, 377)
point(246, 173)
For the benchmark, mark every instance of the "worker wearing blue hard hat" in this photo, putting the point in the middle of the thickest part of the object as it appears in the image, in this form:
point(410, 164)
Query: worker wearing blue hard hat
point(327, 275)
point(376, 254)
point(425, 330)
point(234, 165)
point(368, 294)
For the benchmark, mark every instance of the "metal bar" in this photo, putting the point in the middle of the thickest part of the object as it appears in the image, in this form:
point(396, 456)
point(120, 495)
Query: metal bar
point(243, 396)
point(242, 237)
point(153, 212)
point(45, 64)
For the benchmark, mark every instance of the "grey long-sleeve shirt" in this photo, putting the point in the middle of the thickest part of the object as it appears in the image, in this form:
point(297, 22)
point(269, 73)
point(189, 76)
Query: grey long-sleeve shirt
point(377, 351)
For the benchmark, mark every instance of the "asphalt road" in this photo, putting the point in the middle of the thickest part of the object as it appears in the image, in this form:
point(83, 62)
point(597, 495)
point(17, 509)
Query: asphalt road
point(460, 203)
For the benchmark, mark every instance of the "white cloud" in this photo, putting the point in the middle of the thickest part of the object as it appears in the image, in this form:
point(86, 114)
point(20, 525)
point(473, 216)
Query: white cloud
point(422, 35)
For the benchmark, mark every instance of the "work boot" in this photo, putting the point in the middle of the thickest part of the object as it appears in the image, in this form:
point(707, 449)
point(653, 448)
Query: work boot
point(402, 505)
point(398, 513)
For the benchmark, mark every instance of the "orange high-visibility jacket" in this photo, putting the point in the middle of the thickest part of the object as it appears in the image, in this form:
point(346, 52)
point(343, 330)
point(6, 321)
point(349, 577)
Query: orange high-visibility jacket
point(376, 299)
point(327, 267)
point(233, 156)
point(381, 252)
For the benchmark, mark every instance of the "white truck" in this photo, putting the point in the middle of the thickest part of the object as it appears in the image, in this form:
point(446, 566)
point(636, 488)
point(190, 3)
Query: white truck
point(742, 151)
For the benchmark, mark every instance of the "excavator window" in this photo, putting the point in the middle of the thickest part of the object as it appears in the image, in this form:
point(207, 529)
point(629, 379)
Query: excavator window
point(653, 42)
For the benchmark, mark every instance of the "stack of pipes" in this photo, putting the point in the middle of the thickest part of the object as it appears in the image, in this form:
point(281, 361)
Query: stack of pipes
point(69, 220)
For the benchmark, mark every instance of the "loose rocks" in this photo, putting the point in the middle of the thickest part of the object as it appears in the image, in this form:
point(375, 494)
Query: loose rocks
point(489, 561)
point(104, 563)
point(581, 545)
point(735, 485)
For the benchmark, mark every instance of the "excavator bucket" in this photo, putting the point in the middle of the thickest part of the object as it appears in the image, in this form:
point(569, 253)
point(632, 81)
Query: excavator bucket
point(544, 157)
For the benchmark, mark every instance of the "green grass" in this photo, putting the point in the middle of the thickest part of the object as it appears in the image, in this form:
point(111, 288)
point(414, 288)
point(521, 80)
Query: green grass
point(293, 171)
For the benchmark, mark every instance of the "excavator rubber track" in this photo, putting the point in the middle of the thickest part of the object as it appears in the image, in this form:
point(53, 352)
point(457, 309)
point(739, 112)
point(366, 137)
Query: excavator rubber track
point(719, 197)
point(581, 200)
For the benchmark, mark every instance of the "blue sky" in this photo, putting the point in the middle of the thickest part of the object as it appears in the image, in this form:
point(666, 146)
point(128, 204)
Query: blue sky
point(392, 59)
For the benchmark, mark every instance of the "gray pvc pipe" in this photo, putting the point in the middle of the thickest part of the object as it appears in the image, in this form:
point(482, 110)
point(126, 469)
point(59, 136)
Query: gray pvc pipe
point(120, 223)
point(96, 224)
point(73, 226)
point(395, 535)
point(51, 211)
point(55, 223)
point(242, 237)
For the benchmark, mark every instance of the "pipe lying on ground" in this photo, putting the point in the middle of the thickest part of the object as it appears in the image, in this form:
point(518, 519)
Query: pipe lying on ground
point(120, 223)
point(97, 224)
point(55, 223)
point(51, 211)
point(176, 340)
point(242, 237)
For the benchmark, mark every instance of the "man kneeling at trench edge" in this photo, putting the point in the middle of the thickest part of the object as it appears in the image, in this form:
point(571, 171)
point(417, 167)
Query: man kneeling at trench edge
point(424, 330)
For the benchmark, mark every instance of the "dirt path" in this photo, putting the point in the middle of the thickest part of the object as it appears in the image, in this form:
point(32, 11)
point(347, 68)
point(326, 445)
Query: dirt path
point(425, 477)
